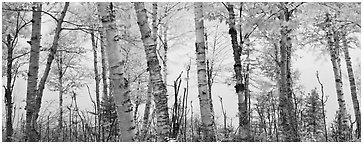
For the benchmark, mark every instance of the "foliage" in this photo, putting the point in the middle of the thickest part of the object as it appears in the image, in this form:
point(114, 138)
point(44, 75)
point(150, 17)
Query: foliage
point(313, 118)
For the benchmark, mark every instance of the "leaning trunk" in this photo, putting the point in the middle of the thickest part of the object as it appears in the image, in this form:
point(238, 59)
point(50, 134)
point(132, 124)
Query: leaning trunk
point(159, 88)
point(242, 103)
point(353, 88)
point(50, 59)
point(333, 45)
point(119, 84)
point(204, 99)
point(30, 131)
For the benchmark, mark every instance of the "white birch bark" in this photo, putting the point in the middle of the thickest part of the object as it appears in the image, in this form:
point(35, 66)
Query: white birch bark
point(159, 88)
point(204, 99)
point(119, 85)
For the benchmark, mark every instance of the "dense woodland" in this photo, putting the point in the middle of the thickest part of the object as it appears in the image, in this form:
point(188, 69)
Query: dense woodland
point(117, 55)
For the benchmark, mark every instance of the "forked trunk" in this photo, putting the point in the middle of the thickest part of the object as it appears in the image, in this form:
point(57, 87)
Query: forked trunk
point(159, 88)
point(333, 45)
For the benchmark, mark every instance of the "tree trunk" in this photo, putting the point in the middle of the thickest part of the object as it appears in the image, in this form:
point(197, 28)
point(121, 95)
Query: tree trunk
point(30, 131)
point(119, 84)
point(165, 46)
point(242, 103)
point(97, 79)
point(104, 70)
point(60, 80)
point(159, 88)
point(333, 45)
point(287, 114)
point(146, 121)
point(103, 62)
point(8, 90)
point(204, 99)
point(41, 85)
point(353, 88)
point(164, 32)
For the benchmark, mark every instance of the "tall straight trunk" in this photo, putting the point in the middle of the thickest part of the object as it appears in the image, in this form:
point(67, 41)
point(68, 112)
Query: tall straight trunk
point(248, 99)
point(209, 71)
point(288, 118)
point(9, 90)
point(204, 99)
point(97, 80)
point(333, 45)
point(103, 63)
point(242, 102)
point(159, 88)
point(103, 72)
point(353, 88)
point(165, 46)
point(60, 94)
point(53, 50)
point(119, 84)
point(30, 131)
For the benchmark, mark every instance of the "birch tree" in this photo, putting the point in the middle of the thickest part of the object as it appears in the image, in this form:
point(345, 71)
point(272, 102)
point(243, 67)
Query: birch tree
point(333, 46)
point(33, 111)
point(204, 99)
point(15, 25)
point(159, 88)
point(288, 117)
point(119, 84)
point(352, 82)
point(146, 121)
point(31, 133)
point(242, 102)
point(353, 88)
